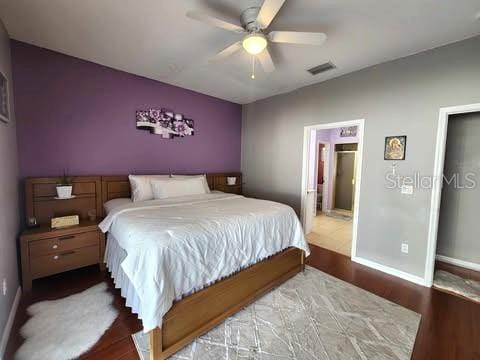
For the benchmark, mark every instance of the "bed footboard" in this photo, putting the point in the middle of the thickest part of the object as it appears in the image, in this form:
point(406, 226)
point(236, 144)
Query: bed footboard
point(203, 310)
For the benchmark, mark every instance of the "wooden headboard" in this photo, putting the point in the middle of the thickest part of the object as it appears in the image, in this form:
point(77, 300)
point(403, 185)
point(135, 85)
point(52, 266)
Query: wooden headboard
point(91, 192)
point(114, 187)
point(40, 202)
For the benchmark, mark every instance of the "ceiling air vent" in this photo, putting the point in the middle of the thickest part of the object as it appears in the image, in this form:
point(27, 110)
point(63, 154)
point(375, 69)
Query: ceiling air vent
point(321, 68)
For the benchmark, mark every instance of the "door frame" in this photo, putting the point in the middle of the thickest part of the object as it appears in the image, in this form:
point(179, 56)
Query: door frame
point(306, 146)
point(334, 182)
point(441, 145)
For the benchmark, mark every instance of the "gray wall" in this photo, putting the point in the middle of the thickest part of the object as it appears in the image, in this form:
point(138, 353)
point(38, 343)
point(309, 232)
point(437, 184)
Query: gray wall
point(9, 213)
point(458, 225)
point(401, 97)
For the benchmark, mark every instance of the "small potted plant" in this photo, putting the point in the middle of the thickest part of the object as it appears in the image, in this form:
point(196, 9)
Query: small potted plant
point(64, 187)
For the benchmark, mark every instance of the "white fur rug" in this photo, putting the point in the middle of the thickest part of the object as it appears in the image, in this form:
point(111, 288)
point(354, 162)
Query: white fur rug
point(64, 329)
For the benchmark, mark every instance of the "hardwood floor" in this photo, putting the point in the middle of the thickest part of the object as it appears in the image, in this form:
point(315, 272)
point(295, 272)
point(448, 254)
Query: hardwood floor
point(449, 329)
point(116, 342)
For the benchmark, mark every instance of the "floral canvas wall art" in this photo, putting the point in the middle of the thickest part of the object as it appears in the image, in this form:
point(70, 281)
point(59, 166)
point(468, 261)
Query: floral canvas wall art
point(164, 122)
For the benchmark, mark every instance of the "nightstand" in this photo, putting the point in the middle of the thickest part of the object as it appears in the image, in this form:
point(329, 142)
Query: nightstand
point(46, 251)
point(220, 183)
point(232, 189)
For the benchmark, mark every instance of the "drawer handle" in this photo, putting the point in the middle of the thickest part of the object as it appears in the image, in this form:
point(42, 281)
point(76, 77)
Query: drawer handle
point(55, 246)
point(67, 253)
point(56, 257)
point(66, 237)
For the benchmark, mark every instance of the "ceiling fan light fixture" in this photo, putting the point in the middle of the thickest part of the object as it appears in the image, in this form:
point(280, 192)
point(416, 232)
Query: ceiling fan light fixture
point(254, 43)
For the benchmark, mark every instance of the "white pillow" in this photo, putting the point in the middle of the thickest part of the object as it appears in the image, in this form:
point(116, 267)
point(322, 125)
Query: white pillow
point(112, 204)
point(166, 188)
point(140, 187)
point(203, 177)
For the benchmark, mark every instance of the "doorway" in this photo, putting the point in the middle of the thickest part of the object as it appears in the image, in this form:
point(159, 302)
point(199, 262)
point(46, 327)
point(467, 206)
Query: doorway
point(438, 235)
point(320, 176)
point(457, 265)
point(344, 180)
point(322, 171)
point(330, 208)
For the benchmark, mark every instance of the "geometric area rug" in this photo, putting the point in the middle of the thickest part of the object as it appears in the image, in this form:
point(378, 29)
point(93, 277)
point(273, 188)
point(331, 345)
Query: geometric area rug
point(311, 316)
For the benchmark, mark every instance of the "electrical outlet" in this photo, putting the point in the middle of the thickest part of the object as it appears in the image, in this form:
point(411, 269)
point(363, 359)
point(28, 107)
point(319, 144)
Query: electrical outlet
point(4, 287)
point(405, 248)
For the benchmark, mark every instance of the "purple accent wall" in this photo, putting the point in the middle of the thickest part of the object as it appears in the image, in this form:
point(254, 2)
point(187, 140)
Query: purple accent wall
point(80, 116)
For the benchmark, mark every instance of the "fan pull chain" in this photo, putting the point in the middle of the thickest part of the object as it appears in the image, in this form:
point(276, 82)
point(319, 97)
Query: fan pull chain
point(253, 68)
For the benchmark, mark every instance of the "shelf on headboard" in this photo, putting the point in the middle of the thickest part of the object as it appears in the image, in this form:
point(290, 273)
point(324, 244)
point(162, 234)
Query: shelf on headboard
point(40, 199)
point(55, 198)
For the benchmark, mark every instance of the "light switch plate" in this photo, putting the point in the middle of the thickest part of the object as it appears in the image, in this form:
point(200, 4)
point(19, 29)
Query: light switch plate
point(405, 248)
point(407, 189)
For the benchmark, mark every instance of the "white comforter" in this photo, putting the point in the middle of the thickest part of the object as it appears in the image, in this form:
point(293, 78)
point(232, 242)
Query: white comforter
point(180, 245)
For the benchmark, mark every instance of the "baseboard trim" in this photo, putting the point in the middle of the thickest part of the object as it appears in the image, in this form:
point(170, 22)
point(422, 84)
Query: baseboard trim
point(389, 270)
point(457, 262)
point(9, 324)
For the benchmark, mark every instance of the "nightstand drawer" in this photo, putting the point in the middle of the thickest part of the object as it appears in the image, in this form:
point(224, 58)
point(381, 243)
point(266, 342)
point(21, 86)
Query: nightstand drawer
point(64, 261)
point(63, 243)
point(232, 189)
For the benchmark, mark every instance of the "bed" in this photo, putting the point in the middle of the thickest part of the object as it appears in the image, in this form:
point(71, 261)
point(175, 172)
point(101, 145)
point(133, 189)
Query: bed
point(185, 264)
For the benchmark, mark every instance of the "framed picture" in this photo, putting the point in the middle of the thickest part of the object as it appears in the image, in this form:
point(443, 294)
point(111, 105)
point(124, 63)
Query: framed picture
point(349, 131)
point(395, 147)
point(4, 113)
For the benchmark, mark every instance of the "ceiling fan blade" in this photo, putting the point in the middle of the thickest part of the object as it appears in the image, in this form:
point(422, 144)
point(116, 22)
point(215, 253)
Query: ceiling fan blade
point(295, 37)
point(267, 12)
point(266, 61)
point(211, 20)
point(225, 53)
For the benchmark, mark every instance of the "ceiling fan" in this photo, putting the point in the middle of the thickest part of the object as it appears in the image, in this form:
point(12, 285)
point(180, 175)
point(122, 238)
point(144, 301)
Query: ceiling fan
point(254, 23)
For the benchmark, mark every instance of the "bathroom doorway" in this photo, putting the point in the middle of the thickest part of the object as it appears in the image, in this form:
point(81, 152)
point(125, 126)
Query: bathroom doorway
point(332, 164)
point(322, 157)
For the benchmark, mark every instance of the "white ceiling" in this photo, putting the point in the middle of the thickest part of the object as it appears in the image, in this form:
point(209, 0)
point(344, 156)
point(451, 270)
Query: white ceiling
point(154, 38)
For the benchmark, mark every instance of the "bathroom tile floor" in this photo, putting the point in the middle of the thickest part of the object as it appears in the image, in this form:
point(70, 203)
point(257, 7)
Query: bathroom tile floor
point(332, 234)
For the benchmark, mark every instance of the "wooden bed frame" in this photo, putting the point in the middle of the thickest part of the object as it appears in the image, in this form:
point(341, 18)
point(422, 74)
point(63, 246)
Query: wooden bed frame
point(198, 313)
